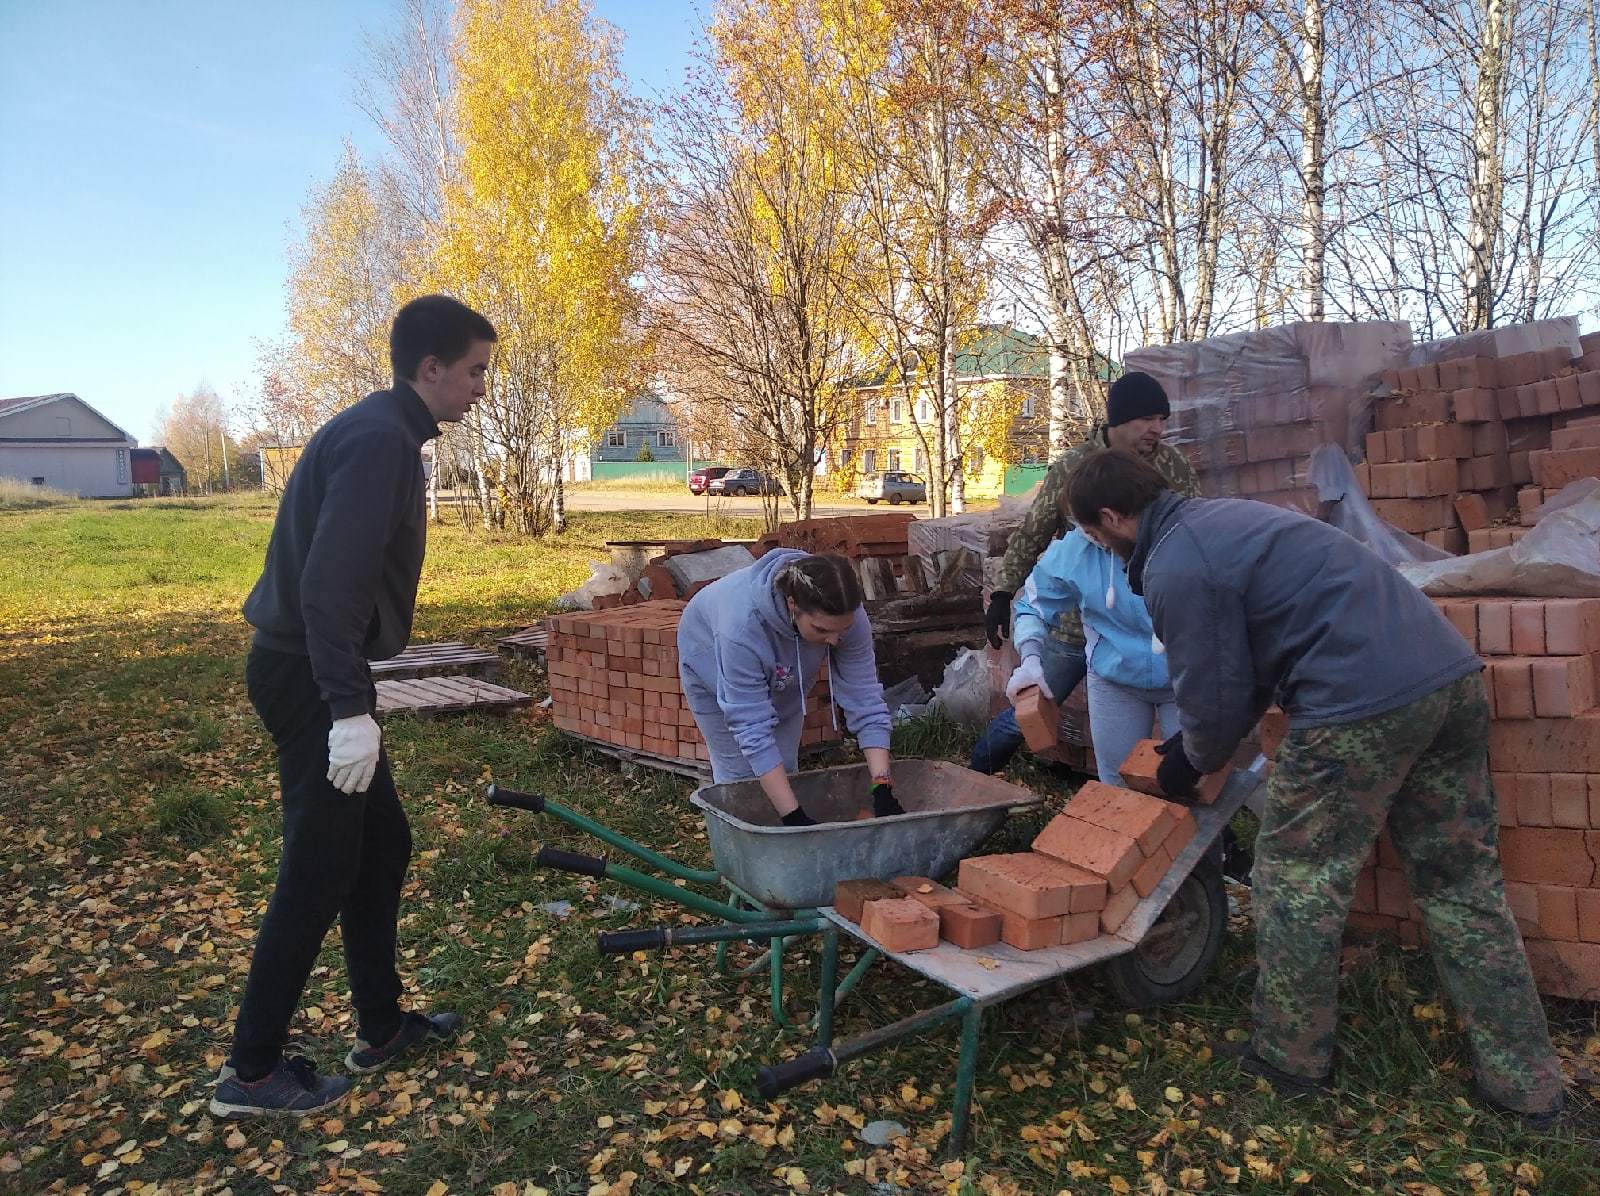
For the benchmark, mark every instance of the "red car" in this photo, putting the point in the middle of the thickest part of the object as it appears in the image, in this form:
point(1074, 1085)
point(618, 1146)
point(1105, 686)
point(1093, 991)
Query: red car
point(701, 478)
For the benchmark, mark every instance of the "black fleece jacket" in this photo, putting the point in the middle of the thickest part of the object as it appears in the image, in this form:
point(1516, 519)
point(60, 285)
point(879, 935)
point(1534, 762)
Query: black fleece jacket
point(340, 580)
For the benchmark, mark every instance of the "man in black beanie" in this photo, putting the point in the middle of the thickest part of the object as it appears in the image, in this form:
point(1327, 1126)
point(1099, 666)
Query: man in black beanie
point(1136, 416)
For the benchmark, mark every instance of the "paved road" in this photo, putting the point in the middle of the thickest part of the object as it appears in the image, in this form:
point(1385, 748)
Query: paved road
point(582, 499)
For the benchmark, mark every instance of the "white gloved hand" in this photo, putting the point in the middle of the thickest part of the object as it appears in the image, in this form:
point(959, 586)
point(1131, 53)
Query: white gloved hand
point(353, 747)
point(1029, 673)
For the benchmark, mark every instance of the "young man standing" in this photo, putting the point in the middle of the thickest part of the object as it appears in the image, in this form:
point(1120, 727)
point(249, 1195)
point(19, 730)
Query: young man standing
point(1388, 725)
point(1137, 411)
point(338, 590)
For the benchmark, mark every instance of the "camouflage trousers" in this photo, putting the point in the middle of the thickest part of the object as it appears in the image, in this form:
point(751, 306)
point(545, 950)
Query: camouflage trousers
point(1423, 770)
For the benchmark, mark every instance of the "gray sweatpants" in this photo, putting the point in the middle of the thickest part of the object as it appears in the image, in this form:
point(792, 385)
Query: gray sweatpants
point(1120, 716)
point(727, 760)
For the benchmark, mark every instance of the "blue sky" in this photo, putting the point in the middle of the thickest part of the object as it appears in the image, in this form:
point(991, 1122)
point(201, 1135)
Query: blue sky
point(155, 159)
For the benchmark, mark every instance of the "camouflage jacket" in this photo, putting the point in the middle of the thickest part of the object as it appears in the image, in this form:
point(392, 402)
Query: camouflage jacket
point(1045, 520)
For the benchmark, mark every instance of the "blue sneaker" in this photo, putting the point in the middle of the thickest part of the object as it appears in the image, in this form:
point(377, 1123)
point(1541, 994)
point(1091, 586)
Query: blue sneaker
point(293, 1088)
point(415, 1030)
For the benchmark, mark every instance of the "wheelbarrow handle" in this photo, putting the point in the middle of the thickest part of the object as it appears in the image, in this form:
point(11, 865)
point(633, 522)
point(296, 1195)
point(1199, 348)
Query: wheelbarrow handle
point(532, 802)
point(816, 1064)
point(626, 942)
point(571, 861)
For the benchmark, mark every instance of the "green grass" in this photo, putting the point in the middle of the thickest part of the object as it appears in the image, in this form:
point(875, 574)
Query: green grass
point(139, 792)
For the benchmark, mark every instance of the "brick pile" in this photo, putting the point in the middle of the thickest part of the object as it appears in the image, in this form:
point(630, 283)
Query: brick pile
point(614, 679)
point(1544, 756)
point(1465, 450)
point(1089, 867)
point(657, 584)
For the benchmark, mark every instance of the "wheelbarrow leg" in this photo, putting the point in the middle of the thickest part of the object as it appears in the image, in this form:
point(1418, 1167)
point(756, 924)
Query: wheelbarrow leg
point(966, 1073)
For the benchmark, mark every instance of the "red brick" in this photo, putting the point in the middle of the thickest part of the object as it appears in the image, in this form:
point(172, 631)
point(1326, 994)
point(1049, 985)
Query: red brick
point(1494, 628)
point(1547, 855)
point(1570, 970)
point(969, 926)
point(1271, 730)
point(1388, 857)
point(1589, 915)
point(1527, 628)
point(1376, 442)
point(1546, 745)
point(850, 895)
point(1109, 854)
point(1572, 626)
point(1038, 718)
point(1149, 875)
point(1030, 934)
point(1523, 900)
point(926, 890)
point(1031, 885)
point(1415, 515)
point(1393, 897)
point(1148, 819)
point(1576, 436)
point(1511, 678)
point(1182, 833)
point(1589, 386)
point(1558, 913)
point(1471, 511)
point(1567, 398)
point(901, 924)
point(1080, 928)
point(1569, 800)
point(1365, 899)
point(1563, 686)
point(1210, 787)
point(1463, 617)
point(1533, 799)
point(1138, 771)
point(1474, 405)
point(1118, 907)
point(1554, 468)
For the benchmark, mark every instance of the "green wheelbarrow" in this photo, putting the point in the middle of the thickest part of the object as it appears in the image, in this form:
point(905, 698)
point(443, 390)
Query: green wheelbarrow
point(779, 883)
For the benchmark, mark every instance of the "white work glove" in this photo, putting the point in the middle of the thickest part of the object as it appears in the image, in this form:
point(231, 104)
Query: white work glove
point(1029, 673)
point(353, 746)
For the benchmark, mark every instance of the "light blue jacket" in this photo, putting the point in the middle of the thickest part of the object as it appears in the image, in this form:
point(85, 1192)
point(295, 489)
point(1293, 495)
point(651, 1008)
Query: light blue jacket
point(1075, 572)
point(739, 654)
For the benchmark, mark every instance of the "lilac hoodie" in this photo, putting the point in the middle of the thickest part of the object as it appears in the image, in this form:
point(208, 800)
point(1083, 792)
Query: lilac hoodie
point(740, 656)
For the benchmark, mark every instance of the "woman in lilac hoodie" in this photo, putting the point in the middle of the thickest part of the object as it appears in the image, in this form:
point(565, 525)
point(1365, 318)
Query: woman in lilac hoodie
point(749, 647)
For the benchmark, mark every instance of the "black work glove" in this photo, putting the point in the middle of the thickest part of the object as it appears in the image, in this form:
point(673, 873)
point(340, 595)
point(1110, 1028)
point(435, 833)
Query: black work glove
point(798, 817)
point(884, 804)
point(997, 620)
point(1176, 776)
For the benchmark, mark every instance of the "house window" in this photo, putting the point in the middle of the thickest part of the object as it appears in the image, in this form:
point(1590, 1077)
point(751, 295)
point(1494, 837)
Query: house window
point(616, 439)
point(924, 411)
point(844, 458)
point(1027, 407)
point(872, 412)
point(975, 461)
point(869, 461)
point(666, 438)
point(897, 412)
point(122, 466)
point(894, 458)
point(38, 481)
point(921, 459)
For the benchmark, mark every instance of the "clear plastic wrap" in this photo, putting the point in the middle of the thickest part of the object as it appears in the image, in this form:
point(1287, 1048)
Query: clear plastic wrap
point(1558, 558)
point(983, 534)
point(1249, 409)
point(1509, 341)
point(1344, 506)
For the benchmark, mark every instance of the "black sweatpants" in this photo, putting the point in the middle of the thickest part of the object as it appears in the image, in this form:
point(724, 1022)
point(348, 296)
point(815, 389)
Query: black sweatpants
point(344, 856)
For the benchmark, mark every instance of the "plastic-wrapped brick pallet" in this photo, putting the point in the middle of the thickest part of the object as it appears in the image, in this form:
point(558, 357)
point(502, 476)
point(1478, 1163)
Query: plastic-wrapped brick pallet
point(1250, 408)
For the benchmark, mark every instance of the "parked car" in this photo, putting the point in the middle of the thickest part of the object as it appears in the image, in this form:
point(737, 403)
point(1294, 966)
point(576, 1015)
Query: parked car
point(739, 482)
point(701, 478)
point(893, 487)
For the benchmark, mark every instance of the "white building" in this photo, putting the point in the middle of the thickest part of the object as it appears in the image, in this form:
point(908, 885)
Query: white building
point(61, 442)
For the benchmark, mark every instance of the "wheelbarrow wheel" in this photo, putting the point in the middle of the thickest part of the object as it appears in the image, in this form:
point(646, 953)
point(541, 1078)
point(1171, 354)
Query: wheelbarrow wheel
point(1180, 948)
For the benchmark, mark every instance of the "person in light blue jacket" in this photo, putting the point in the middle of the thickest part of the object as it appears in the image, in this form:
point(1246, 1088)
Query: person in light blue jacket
point(1129, 687)
point(751, 644)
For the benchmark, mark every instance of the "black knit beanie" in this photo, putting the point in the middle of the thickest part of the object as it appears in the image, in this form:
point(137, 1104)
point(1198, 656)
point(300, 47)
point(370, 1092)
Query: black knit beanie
point(1136, 395)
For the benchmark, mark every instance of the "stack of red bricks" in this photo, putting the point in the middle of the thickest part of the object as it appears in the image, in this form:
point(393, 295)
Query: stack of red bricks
point(853, 536)
point(657, 583)
point(1544, 754)
point(1089, 867)
point(614, 679)
point(1456, 439)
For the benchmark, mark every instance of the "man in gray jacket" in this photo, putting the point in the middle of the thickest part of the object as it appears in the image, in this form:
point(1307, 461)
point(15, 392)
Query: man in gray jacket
point(1388, 723)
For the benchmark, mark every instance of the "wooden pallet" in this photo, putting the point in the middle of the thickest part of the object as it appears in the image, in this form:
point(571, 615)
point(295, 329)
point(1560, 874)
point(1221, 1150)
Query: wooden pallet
point(445, 695)
point(695, 770)
point(451, 656)
point(530, 641)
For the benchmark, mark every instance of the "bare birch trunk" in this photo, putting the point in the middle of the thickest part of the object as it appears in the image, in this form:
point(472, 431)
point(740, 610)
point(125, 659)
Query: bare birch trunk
point(1313, 155)
point(1487, 183)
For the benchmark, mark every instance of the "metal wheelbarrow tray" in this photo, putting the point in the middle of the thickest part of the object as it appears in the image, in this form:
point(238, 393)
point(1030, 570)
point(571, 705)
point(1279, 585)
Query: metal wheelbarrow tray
point(950, 810)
